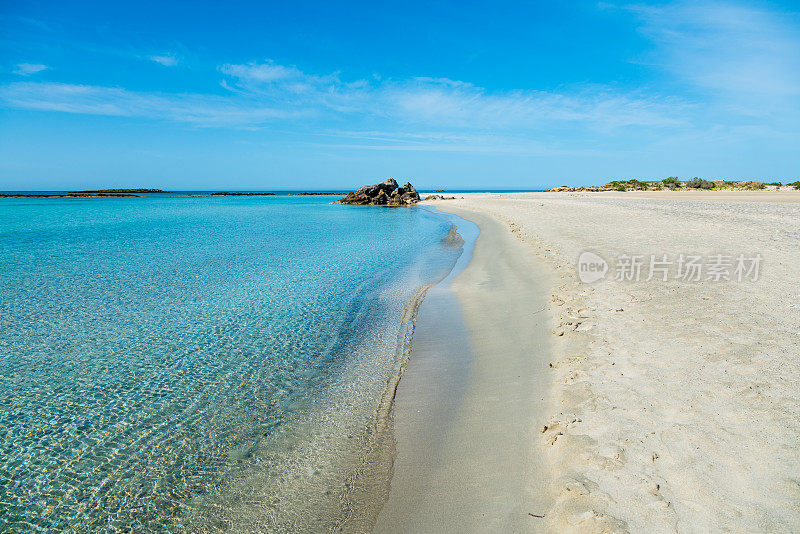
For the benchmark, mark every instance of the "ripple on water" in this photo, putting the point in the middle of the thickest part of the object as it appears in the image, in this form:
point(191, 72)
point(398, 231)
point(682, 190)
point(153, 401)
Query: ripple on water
point(180, 364)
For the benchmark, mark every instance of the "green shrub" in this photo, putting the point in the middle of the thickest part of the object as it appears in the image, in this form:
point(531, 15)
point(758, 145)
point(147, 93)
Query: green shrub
point(778, 184)
point(698, 183)
point(752, 186)
point(618, 185)
point(796, 184)
point(635, 184)
point(671, 182)
point(624, 185)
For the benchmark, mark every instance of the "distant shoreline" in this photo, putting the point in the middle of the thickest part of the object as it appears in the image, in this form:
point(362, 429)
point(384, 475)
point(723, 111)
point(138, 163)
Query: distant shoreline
point(673, 184)
point(156, 193)
point(67, 195)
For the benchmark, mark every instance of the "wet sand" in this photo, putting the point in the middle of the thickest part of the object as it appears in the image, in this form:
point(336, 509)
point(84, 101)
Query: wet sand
point(466, 414)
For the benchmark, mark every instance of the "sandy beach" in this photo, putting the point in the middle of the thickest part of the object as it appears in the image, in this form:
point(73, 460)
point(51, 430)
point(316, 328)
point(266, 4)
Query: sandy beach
point(465, 415)
point(621, 405)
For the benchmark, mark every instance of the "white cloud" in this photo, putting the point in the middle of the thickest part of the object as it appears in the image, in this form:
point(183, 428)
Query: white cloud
point(441, 102)
point(267, 93)
point(726, 47)
point(465, 105)
point(196, 109)
point(433, 141)
point(417, 114)
point(261, 72)
point(165, 60)
point(26, 69)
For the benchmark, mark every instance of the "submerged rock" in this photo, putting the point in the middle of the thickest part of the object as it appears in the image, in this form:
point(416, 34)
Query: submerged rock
point(453, 238)
point(386, 193)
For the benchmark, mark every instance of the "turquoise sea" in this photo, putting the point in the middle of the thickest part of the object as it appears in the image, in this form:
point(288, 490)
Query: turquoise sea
point(174, 363)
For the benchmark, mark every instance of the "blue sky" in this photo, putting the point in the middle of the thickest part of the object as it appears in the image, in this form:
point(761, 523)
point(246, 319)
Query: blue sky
point(300, 95)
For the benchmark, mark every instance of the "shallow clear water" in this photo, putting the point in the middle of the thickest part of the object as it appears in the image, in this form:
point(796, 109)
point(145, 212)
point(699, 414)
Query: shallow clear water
point(180, 364)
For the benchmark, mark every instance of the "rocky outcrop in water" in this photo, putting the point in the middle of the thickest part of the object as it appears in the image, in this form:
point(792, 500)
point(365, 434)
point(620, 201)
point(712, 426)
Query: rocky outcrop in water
point(387, 193)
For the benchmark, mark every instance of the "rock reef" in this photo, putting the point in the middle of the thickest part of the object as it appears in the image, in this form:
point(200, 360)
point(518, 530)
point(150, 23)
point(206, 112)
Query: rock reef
point(386, 193)
point(136, 190)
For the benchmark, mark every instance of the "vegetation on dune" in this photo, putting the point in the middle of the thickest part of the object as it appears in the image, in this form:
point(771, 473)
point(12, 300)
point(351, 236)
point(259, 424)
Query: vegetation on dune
point(747, 185)
point(699, 183)
point(673, 183)
point(624, 185)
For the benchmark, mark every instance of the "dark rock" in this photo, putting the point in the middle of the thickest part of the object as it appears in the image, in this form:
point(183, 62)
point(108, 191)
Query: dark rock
point(438, 197)
point(386, 193)
point(453, 239)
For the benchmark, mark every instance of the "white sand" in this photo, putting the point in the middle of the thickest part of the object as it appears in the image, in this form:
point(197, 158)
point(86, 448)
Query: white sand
point(783, 195)
point(675, 405)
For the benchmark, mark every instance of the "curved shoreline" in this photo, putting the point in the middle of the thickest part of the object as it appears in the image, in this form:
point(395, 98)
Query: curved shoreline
point(338, 461)
point(464, 457)
point(367, 488)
